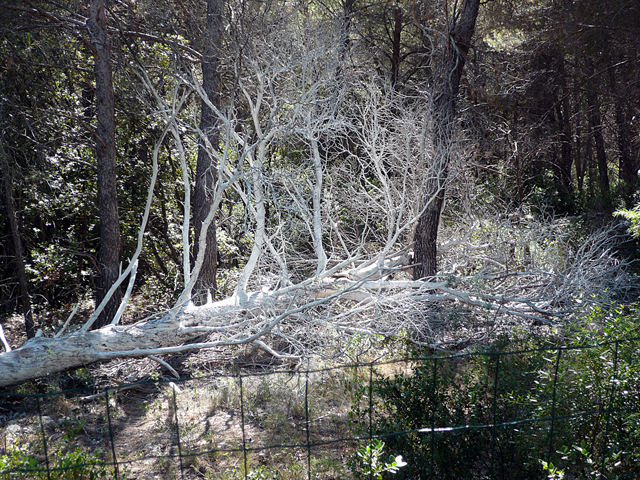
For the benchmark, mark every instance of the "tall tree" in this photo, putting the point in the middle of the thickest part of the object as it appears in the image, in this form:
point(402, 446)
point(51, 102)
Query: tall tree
point(17, 242)
point(110, 241)
point(627, 166)
point(563, 116)
point(206, 168)
point(443, 113)
point(596, 127)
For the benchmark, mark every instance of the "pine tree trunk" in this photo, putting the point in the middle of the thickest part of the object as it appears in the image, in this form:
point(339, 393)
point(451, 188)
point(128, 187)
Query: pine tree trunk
point(563, 112)
point(206, 170)
point(595, 120)
point(395, 56)
point(443, 113)
point(110, 241)
point(579, 160)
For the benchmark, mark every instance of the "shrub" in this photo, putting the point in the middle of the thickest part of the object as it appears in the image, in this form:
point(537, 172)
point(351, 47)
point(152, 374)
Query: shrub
point(72, 465)
point(515, 410)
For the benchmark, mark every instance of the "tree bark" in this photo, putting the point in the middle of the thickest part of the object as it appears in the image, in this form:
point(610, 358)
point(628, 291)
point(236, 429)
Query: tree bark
point(627, 168)
point(443, 113)
point(206, 168)
point(563, 113)
point(579, 161)
point(42, 356)
point(590, 164)
point(25, 298)
point(345, 39)
point(395, 55)
point(595, 122)
point(110, 240)
point(516, 155)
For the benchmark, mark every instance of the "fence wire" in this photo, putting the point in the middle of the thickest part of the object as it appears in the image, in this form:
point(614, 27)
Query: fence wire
point(494, 398)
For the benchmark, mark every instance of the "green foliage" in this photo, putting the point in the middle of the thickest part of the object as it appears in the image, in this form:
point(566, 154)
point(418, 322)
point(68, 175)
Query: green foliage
point(516, 410)
point(72, 465)
point(633, 217)
point(367, 461)
point(47, 90)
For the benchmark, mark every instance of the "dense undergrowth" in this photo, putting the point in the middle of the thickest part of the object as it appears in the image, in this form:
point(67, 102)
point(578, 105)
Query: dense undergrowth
point(562, 407)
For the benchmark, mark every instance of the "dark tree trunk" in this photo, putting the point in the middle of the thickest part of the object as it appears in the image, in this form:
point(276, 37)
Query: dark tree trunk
point(345, 39)
point(579, 154)
point(579, 160)
point(206, 169)
point(590, 164)
point(444, 118)
point(25, 299)
point(563, 166)
point(595, 122)
point(110, 241)
point(627, 170)
point(516, 158)
point(566, 154)
point(395, 55)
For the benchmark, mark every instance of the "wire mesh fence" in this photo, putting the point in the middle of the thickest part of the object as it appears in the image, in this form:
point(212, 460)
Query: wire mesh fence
point(571, 411)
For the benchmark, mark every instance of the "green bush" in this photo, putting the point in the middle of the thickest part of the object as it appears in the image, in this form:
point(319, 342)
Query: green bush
point(633, 217)
point(72, 465)
point(368, 461)
point(521, 409)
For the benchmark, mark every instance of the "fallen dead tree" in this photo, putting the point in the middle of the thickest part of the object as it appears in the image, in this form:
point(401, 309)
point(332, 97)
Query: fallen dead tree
point(228, 323)
point(365, 300)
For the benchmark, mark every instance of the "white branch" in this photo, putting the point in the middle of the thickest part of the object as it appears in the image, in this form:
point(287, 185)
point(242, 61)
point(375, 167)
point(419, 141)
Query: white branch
point(7, 347)
point(165, 365)
point(125, 299)
point(66, 324)
point(317, 215)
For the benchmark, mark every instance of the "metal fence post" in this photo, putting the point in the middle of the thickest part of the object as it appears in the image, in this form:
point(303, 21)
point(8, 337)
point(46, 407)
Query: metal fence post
point(113, 447)
point(44, 438)
point(553, 403)
point(244, 437)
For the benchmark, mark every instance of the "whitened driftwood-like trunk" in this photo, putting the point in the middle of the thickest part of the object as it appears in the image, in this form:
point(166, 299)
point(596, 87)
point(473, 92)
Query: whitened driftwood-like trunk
point(42, 356)
point(240, 319)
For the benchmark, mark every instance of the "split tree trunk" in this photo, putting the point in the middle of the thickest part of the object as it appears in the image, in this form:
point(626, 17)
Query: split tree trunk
point(110, 240)
point(444, 117)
